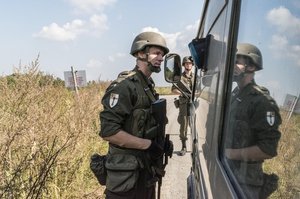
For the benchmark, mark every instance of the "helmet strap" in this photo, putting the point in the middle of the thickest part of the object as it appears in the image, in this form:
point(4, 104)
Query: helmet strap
point(149, 64)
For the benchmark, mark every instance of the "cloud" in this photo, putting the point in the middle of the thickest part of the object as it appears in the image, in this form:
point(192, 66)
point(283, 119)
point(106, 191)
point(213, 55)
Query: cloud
point(171, 38)
point(177, 41)
point(112, 58)
point(94, 63)
point(281, 47)
point(284, 21)
point(71, 30)
point(98, 24)
point(88, 6)
point(67, 32)
point(285, 42)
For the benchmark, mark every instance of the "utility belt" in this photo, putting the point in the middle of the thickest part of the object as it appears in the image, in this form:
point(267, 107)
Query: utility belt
point(248, 172)
point(180, 101)
point(124, 167)
point(183, 100)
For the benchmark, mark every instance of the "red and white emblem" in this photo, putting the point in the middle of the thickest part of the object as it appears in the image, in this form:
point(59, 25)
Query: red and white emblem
point(270, 118)
point(113, 99)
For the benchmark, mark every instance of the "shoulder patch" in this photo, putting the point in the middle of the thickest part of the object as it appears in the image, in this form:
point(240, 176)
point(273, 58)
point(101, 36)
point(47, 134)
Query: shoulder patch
point(113, 99)
point(270, 116)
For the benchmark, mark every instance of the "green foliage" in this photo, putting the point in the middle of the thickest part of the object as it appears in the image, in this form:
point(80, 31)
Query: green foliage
point(47, 135)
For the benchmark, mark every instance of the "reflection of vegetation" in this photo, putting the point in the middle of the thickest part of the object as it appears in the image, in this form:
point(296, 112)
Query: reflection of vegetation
point(47, 136)
point(169, 74)
point(287, 164)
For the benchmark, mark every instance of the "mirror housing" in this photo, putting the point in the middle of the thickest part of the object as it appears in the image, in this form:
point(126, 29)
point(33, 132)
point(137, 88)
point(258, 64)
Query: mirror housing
point(172, 68)
point(199, 49)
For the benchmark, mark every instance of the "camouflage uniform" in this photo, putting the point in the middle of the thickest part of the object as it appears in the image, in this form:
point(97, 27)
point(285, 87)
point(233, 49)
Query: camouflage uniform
point(127, 107)
point(183, 106)
point(254, 120)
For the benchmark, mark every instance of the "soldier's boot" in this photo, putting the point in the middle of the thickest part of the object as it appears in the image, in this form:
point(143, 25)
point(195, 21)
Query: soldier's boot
point(183, 149)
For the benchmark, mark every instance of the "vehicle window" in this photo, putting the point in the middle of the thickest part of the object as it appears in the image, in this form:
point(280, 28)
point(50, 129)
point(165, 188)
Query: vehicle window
point(261, 144)
point(207, 96)
point(214, 9)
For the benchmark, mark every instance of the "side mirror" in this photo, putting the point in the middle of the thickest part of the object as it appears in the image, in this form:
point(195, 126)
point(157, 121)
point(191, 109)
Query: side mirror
point(172, 68)
point(199, 49)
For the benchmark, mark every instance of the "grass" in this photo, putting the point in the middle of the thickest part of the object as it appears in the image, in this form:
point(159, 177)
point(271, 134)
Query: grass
point(287, 163)
point(163, 90)
point(47, 135)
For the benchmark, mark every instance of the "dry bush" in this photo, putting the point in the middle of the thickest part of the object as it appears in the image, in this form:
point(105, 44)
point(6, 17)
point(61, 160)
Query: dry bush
point(287, 164)
point(47, 135)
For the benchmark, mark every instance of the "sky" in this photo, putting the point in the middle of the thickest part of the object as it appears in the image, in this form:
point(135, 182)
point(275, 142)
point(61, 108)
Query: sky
point(275, 29)
point(90, 35)
point(96, 36)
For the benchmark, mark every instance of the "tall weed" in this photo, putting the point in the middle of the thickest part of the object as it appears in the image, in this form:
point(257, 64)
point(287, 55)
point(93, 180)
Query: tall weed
point(287, 163)
point(47, 135)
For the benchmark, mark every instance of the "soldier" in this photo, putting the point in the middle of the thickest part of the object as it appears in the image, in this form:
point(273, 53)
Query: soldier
point(129, 127)
point(254, 123)
point(187, 78)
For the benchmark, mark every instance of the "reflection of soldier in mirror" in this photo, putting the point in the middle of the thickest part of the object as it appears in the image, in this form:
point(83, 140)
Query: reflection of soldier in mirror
point(187, 78)
point(254, 122)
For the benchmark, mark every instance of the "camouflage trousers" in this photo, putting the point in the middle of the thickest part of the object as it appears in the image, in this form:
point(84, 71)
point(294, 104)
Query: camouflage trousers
point(183, 120)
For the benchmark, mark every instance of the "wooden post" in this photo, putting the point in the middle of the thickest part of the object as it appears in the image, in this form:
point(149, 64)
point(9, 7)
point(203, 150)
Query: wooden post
point(75, 80)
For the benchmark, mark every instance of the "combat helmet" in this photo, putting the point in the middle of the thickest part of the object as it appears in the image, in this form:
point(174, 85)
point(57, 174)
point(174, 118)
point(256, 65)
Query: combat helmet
point(148, 39)
point(252, 52)
point(187, 59)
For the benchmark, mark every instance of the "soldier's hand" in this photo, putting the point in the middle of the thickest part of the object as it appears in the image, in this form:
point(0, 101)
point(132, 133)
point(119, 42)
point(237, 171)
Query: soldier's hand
point(169, 147)
point(155, 150)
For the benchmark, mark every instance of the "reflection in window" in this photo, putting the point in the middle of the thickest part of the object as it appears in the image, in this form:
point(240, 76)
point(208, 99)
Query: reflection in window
point(261, 145)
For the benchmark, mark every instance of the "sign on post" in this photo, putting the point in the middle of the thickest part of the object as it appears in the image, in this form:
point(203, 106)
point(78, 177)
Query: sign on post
point(79, 79)
point(291, 105)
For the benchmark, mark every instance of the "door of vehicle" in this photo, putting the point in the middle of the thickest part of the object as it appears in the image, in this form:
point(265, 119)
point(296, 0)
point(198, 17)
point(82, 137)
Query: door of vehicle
point(219, 26)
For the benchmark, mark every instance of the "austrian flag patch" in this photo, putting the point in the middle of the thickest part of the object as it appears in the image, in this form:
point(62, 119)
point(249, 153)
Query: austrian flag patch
point(270, 117)
point(113, 99)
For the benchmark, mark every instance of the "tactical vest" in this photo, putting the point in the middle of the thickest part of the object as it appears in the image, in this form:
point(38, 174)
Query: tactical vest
point(183, 101)
point(123, 164)
point(140, 122)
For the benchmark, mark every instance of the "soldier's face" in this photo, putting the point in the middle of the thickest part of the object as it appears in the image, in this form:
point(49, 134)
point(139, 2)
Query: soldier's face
point(155, 56)
point(240, 66)
point(188, 66)
point(239, 69)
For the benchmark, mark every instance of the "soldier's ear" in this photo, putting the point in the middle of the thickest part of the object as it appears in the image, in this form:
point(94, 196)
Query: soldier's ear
point(251, 68)
point(141, 54)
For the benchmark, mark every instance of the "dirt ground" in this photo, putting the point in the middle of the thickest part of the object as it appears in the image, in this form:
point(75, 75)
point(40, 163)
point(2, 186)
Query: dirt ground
point(174, 184)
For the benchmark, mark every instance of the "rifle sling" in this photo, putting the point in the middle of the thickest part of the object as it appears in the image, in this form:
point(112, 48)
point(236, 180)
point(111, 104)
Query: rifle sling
point(147, 89)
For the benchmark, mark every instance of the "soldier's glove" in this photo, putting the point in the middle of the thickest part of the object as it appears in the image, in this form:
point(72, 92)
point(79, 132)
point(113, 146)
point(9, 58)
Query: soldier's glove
point(169, 147)
point(155, 150)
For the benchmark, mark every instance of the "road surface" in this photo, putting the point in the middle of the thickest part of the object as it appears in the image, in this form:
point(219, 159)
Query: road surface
point(174, 184)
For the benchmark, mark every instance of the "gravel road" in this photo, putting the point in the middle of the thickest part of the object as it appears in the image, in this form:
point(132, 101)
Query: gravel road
point(174, 184)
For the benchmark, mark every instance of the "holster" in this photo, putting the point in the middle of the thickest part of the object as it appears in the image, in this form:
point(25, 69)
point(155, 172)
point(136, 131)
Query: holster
point(176, 102)
point(97, 166)
point(270, 185)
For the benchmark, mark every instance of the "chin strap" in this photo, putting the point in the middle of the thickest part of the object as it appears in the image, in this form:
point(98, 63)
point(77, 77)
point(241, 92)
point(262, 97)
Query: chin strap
point(150, 66)
point(238, 78)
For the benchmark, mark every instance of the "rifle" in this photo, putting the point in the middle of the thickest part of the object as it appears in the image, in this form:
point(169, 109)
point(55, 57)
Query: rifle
point(159, 112)
point(184, 89)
